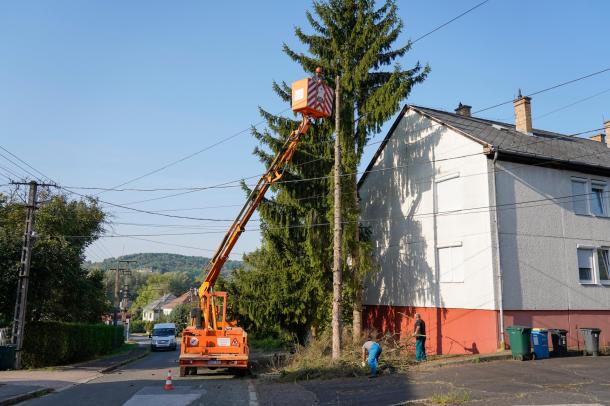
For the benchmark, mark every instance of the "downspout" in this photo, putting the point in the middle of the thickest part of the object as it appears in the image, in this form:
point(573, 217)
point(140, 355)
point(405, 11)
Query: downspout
point(498, 262)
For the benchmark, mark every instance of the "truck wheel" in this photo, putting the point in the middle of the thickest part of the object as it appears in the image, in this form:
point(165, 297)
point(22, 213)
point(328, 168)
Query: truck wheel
point(182, 371)
point(241, 372)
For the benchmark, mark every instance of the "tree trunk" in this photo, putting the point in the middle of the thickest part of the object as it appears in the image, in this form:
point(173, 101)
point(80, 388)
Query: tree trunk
point(337, 241)
point(357, 283)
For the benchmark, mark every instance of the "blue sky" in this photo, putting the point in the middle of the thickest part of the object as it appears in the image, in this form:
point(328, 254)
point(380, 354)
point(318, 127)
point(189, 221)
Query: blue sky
point(96, 93)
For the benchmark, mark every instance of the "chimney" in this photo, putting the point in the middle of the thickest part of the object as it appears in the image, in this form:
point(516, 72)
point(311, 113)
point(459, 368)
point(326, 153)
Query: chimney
point(523, 113)
point(463, 110)
point(599, 138)
point(607, 128)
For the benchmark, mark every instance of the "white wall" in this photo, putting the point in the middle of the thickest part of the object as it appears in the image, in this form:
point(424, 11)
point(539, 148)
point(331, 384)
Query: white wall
point(538, 243)
point(398, 204)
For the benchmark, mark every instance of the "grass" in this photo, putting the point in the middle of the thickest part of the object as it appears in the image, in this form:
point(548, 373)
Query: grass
point(314, 360)
point(266, 344)
point(124, 348)
point(454, 397)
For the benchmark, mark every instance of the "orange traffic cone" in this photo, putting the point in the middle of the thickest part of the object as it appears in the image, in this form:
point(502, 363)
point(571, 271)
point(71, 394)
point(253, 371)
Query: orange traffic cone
point(168, 381)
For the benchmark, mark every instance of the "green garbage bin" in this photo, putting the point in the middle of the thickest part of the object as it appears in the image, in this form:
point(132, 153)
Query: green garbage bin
point(519, 338)
point(7, 357)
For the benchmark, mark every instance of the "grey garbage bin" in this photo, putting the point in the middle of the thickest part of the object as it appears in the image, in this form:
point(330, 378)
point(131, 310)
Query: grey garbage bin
point(591, 336)
point(7, 357)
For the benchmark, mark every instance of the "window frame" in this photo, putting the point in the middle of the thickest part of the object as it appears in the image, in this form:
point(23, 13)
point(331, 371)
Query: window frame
point(585, 182)
point(593, 280)
point(589, 185)
point(441, 179)
point(450, 245)
point(604, 187)
point(603, 281)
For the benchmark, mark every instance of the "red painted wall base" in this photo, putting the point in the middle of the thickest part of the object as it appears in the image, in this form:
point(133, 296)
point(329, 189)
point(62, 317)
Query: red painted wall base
point(472, 331)
point(449, 331)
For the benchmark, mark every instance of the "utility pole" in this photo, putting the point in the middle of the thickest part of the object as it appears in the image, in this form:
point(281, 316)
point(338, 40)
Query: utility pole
point(337, 243)
point(117, 293)
point(24, 269)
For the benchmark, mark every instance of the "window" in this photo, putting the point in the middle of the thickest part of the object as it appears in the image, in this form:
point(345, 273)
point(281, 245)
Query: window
point(598, 199)
point(448, 194)
point(451, 264)
point(603, 259)
point(585, 265)
point(579, 196)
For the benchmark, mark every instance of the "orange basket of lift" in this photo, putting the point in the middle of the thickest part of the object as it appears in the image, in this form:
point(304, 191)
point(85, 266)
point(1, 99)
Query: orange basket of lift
point(312, 97)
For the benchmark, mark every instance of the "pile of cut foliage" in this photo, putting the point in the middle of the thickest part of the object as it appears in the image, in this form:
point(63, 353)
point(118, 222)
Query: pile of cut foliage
point(314, 360)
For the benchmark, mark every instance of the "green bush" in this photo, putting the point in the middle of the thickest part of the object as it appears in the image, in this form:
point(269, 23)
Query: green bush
point(55, 343)
point(137, 326)
point(148, 326)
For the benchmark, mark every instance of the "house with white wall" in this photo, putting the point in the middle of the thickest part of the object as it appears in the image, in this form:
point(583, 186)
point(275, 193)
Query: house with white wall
point(479, 225)
point(154, 310)
point(185, 298)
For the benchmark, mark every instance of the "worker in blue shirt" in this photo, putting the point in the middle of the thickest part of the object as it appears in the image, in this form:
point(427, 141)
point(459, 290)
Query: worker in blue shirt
point(374, 351)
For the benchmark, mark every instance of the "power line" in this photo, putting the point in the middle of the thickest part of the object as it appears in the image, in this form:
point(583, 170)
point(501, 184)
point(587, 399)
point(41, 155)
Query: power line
point(464, 211)
point(180, 245)
point(189, 156)
point(481, 173)
point(315, 178)
point(571, 104)
point(18, 166)
point(546, 89)
point(25, 163)
point(229, 184)
point(449, 22)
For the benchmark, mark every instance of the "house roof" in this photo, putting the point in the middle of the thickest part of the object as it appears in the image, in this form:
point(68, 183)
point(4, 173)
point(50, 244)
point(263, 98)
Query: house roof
point(540, 148)
point(183, 298)
point(158, 303)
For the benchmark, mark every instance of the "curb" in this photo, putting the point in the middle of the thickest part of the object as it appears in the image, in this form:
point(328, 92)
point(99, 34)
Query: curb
point(25, 396)
point(121, 363)
point(470, 360)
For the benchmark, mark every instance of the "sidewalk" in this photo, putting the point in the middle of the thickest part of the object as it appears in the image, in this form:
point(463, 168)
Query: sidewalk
point(17, 386)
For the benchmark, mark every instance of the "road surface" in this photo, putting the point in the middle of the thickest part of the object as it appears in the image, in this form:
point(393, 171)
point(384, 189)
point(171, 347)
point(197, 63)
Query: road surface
point(141, 383)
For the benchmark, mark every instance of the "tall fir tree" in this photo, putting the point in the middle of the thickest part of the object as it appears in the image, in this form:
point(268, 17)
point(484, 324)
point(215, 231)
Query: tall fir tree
point(288, 280)
point(355, 40)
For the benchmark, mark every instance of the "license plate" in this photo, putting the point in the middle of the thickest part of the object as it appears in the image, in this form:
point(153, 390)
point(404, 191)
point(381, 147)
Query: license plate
point(214, 362)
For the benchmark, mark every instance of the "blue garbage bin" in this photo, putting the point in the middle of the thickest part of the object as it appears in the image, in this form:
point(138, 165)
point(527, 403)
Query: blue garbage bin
point(540, 343)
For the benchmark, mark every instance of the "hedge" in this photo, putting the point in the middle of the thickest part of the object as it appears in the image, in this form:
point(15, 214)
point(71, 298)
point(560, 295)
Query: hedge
point(137, 326)
point(55, 343)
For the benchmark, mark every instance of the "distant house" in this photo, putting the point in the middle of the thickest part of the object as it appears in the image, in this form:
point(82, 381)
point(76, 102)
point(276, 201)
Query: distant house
point(154, 309)
point(182, 299)
point(479, 225)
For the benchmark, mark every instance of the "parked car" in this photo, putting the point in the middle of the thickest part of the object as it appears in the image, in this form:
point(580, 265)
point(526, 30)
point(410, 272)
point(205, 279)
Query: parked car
point(163, 336)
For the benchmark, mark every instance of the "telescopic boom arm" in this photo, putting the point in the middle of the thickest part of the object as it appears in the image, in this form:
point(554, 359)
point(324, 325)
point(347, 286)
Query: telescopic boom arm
point(273, 174)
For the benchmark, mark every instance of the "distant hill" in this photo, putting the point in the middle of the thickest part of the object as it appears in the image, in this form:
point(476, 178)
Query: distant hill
point(162, 263)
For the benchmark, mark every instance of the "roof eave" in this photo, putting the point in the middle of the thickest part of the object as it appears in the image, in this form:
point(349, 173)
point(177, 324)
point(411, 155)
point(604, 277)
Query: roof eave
point(530, 159)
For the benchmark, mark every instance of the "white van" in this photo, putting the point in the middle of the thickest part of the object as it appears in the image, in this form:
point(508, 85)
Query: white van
point(163, 336)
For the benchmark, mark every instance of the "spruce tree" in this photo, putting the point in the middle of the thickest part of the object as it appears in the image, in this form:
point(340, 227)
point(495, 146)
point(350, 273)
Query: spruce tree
point(288, 280)
point(354, 39)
